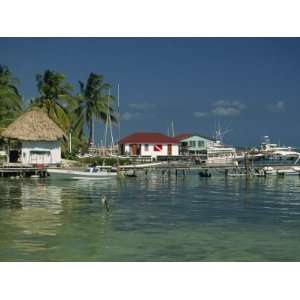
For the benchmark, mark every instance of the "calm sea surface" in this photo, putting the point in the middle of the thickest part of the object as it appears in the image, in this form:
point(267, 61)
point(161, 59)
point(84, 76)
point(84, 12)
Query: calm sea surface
point(151, 219)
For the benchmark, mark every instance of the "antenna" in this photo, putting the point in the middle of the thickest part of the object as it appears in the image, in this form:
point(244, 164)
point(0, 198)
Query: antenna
point(219, 133)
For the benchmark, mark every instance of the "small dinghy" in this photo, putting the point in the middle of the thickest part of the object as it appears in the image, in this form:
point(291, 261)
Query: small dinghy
point(268, 170)
point(204, 174)
point(130, 173)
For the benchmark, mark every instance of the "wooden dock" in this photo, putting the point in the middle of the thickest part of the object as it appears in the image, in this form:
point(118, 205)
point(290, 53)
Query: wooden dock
point(203, 170)
point(22, 171)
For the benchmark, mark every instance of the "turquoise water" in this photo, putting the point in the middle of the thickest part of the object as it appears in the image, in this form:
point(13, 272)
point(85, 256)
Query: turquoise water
point(151, 219)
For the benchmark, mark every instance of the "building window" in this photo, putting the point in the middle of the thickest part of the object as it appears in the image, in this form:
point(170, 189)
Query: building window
point(200, 144)
point(146, 147)
point(193, 144)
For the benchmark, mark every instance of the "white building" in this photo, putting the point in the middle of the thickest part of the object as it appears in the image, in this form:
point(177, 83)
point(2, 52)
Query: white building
point(151, 144)
point(39, 139)
point(193, 144)
point(40, 152)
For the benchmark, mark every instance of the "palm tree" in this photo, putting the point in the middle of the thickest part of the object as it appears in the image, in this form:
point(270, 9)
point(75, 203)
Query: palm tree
point(93, 103)
point(10, 98)
point(55, 97)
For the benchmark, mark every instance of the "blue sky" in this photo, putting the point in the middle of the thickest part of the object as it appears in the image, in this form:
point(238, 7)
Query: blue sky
point(250, 85)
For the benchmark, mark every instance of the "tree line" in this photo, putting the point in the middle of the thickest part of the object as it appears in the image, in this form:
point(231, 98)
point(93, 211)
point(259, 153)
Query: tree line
point(72, 112)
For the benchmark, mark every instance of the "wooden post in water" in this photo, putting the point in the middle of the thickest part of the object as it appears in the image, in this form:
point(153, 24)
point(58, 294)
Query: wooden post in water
point(247, 169)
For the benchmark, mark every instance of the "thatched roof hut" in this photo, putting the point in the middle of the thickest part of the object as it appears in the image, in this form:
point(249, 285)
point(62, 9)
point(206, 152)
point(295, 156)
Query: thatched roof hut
point(34, 125)
point(39, 138)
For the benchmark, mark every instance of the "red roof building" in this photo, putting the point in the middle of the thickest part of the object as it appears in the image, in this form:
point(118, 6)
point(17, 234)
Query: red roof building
point(148, 138)
point(150, 144)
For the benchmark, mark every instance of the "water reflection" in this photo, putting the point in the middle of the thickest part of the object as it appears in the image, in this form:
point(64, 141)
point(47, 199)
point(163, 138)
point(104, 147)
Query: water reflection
point(150, 218)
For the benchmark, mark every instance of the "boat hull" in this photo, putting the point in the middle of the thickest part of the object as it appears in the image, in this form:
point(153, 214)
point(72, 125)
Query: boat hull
point(72, 174)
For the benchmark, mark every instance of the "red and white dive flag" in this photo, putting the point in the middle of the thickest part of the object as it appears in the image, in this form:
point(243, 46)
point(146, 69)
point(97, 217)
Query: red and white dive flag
point(158, 148)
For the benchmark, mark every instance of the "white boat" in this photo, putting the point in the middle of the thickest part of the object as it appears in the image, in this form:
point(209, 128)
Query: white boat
point(290, 171)
point(90, 173)
point(269, 170)
point(281, 172)
point(274, 154)
point(218, 154)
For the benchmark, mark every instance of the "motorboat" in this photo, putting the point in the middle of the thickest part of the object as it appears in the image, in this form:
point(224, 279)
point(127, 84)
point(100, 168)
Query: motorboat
point(281, 171)
point(89, 173)
point(284, 172)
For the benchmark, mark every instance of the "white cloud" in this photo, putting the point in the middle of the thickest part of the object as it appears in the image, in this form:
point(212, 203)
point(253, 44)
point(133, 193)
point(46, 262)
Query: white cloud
point(127, 116)
point(223, 103)
point(223, 108)
point(276, 107)
point(225, 111)
point(227, 108)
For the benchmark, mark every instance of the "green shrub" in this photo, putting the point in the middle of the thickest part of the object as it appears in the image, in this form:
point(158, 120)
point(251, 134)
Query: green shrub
point(70, 156)
point(110, 161)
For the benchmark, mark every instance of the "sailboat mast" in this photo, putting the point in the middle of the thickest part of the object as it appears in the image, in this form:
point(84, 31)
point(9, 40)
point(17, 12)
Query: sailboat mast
point(172, 126)
point(119, 115)
point(105, 133)
point(109, 122)
point(93, 131)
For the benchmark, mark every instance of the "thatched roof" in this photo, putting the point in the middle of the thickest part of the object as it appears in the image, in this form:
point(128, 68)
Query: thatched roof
point(33, 125)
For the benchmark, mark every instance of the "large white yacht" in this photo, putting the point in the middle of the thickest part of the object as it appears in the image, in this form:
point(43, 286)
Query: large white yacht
point(219, 154)
point(274, 154)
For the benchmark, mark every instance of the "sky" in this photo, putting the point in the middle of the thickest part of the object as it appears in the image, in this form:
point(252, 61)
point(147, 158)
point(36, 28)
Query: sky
point(250, 86)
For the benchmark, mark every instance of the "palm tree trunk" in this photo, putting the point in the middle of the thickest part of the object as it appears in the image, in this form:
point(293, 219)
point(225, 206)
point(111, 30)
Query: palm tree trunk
point(90, 132)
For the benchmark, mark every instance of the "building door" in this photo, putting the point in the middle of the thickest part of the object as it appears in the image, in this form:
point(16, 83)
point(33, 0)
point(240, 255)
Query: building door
point(133, 149)
point(169, 149)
